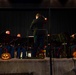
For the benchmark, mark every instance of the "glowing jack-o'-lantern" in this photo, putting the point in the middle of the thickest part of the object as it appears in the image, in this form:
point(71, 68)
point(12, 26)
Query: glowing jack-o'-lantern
point(6, 56)
point(41, 54)
point(74, 54)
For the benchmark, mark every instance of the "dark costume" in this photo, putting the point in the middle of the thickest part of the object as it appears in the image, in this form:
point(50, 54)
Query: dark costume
point(12, 51)
point(19, 50)
point(24, 51)
point(39, 33)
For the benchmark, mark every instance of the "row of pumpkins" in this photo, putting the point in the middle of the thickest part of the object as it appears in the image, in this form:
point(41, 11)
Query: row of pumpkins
point(6, 56)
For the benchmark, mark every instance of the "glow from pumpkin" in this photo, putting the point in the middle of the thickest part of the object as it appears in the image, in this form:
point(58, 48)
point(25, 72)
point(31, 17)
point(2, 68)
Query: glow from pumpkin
point(5, 56)
point(74, 54)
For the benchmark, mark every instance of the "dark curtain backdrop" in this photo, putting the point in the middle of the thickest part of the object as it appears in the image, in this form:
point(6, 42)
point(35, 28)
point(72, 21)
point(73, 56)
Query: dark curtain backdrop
point(19, 21)
point(63, 20)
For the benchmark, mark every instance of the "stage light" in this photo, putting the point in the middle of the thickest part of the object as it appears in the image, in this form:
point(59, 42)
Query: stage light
point(18, 35)
point(7, 32)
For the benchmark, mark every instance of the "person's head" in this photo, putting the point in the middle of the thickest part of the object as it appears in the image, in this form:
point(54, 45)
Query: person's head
point(38, 15)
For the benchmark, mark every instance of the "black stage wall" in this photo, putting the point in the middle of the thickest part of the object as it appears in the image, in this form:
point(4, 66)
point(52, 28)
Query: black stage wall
point(63, 20)
point(19, 20)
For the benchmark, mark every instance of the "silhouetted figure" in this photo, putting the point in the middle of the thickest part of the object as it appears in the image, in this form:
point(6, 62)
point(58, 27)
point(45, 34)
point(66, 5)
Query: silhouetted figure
point(39, 32)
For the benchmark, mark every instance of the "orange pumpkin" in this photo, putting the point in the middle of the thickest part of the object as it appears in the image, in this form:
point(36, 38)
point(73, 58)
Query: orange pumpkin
point(74, 54)
point(6, 56)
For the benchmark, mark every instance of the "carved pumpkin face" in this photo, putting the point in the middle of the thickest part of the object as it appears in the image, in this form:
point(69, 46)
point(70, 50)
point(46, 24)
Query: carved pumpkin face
point(5, 56)
point(74, 54)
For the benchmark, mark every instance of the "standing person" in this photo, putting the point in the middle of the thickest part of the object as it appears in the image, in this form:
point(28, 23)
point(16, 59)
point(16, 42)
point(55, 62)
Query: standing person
point(39, 32)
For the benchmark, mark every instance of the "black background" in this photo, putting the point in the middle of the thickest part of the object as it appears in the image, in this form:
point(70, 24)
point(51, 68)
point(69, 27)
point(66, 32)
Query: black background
point(19, 20)
point(63, 20)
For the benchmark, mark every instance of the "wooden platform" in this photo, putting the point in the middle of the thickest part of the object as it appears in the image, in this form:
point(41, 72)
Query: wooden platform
point(60, 66)
point(25, 66)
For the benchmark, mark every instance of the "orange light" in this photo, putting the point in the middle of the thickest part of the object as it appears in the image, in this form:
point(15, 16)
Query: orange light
point(7, 32)
point(74, 54)
point(18, 35)
point(6, 56)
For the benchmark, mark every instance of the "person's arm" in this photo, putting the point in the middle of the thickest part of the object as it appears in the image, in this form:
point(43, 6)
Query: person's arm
point(33, 24)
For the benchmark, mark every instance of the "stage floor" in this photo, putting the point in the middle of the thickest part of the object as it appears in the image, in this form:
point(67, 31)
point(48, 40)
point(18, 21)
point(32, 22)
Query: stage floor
point(63, 66)
point(60, 66)
point(25, 66)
